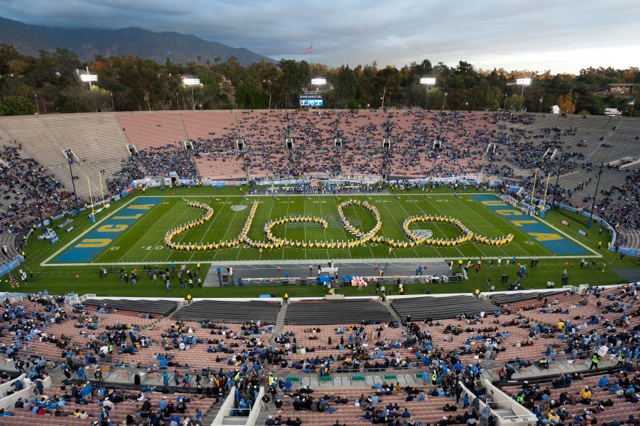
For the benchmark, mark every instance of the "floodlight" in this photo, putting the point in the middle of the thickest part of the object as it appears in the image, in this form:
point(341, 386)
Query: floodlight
point(523, 82)
point(88, 78)
point(427, 81)
point(190, 81)
point(320, 81)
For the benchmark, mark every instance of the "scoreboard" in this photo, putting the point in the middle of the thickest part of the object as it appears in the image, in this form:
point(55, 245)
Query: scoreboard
point(311, 100)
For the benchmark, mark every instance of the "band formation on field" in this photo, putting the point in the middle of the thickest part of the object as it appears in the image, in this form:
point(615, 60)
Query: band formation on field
point(360, 236)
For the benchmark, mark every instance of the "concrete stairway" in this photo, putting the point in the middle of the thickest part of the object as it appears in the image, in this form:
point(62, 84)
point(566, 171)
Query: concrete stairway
point(277, 329)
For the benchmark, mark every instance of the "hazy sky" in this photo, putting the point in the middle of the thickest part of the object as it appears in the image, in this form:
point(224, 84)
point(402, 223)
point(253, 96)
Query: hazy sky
point(555, 35)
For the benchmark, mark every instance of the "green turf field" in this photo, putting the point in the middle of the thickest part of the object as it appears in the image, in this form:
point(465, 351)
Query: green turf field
point(143, 240)
point(142, 244)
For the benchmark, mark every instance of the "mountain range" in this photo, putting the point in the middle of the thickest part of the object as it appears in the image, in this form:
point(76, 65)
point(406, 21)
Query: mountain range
point(88, 43)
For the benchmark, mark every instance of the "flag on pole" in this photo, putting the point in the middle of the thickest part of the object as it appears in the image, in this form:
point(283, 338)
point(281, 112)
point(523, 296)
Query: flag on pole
point(632, 102)
point(309, 50)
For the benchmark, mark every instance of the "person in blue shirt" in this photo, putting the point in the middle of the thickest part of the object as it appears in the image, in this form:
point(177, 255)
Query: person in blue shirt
point(4, 413)
point(603, 382)
point(162, 404)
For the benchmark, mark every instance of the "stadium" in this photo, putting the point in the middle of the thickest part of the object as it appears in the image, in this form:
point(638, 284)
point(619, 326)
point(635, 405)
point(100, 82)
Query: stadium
point(320, 267)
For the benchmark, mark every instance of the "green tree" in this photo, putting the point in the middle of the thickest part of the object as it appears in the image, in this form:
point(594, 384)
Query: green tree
point(249, 94)
point(345, 84)
point(514, 103)
point(8, 53)
point(295, 76)
point(268, 74)
point(387, 85)
point(17, 105)
point(565, 102)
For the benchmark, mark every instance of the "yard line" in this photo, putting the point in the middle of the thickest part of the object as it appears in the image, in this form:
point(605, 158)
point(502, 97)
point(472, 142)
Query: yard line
point(479, 246)
point(400, 226)
point(519, 231)
point(433, 205)
point(285, 227)
point(324, 231)
point(178, 220)
point(228, 228)
point(211, 223)
point(135, 248)
point(240, 246)
point(503, 250)
point(273, 202)
point(368, 244)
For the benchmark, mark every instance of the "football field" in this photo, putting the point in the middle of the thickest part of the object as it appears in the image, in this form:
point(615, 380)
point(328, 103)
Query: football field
point(210, 228)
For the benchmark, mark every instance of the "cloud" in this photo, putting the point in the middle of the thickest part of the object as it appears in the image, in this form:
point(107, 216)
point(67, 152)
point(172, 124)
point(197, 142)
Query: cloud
point(561, 36)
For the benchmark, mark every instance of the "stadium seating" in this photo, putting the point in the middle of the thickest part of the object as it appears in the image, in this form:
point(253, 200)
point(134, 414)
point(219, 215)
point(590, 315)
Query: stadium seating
point(333, 312)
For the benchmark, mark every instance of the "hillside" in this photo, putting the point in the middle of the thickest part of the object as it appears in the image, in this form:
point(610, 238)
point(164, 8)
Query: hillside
point(87, 43)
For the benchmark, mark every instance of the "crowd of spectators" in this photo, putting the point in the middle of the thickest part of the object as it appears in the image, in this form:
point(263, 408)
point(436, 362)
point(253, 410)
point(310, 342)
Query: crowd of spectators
point(26, 185)
point(447, 353)
point(526, 153)
point(351, 143)
point(121, 179)
point(159, 161)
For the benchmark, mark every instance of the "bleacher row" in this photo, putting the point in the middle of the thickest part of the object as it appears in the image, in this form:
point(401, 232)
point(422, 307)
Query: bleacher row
point(428, 411)
point(582, 143)
point(350, 312)
point(314, 132)
point(620, 411)
point(230, 335)
point(117, 415)
point(436, 308)
point(423, 144)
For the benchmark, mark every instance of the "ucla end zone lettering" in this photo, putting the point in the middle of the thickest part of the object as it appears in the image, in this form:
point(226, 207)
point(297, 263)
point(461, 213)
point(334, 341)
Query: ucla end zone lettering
point(547, 237)
point(96, 241)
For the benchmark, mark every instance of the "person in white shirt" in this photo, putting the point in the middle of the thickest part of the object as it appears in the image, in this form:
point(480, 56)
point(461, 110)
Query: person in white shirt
point(107, 403)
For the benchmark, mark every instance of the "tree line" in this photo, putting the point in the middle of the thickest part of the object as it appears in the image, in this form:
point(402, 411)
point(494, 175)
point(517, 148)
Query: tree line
point(50, 83)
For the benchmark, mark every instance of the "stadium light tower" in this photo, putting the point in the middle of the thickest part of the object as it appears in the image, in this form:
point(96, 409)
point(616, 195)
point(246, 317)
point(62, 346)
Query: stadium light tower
point(69, 154)
point(37, 197)
point(317, 82)
point(595, 195)
point(320, 81)
point(523, 82)
point(557, 188)
point(191, 82)
point(427, 81)
point(88, 78)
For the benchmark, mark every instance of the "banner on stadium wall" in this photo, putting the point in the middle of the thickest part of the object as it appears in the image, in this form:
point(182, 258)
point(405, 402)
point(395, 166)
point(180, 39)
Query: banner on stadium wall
point(363, 181)
point(9, 266)
point(151, 183)
point(282, 182)
point(464, 180)
point(626, 251)
point(126, 191)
